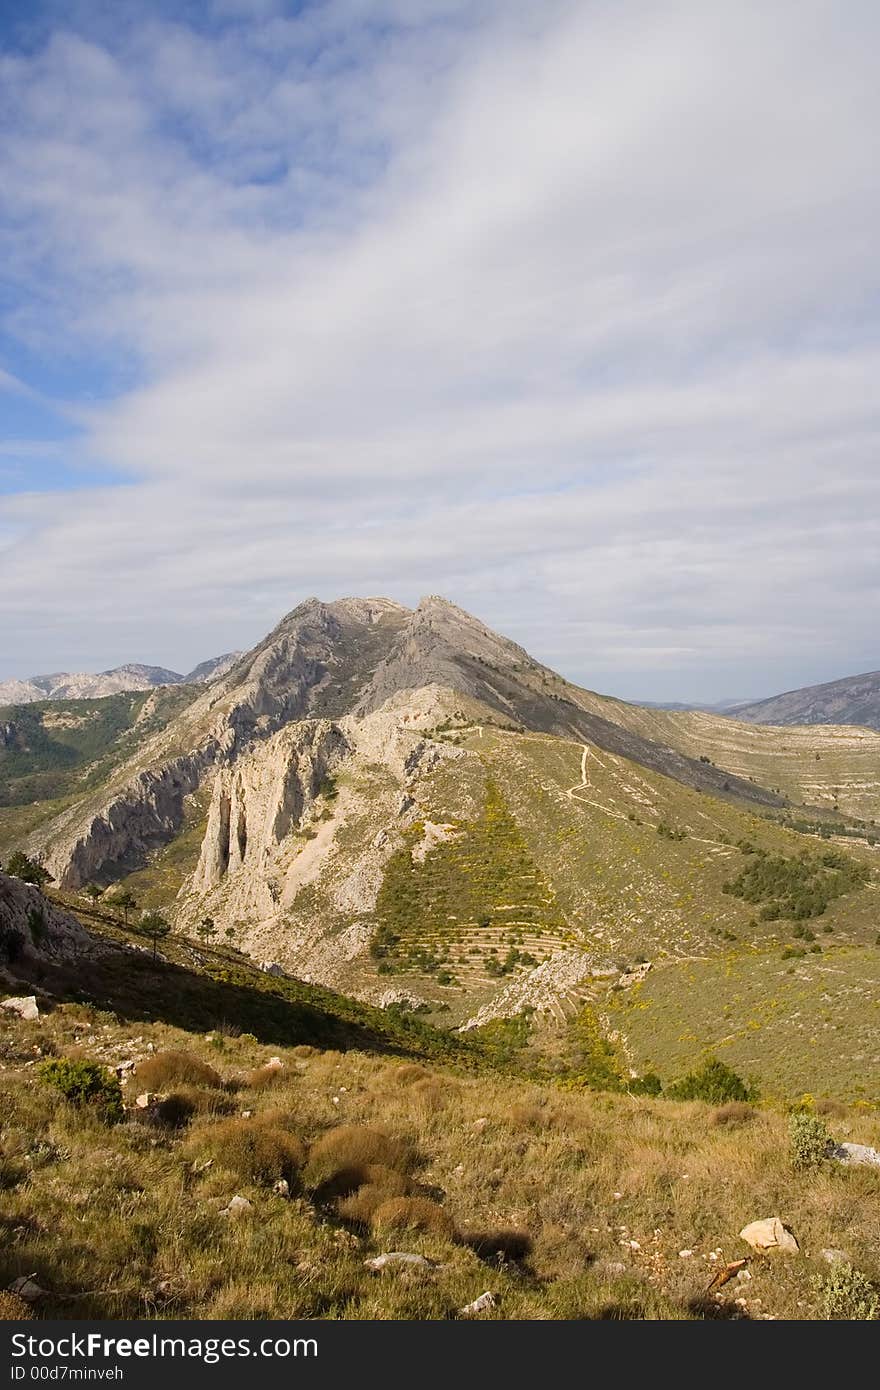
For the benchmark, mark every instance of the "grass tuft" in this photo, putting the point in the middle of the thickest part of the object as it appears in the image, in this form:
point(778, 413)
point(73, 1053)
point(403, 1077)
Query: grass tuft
point(168, 1069)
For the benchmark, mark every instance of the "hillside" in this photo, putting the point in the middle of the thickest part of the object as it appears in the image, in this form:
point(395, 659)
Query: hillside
point(852, 700)
point(270, 1144)
point(404, 806)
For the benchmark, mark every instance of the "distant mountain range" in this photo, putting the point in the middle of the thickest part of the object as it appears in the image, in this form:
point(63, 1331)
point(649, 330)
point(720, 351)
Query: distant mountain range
point(852, 700)
point(83, 685)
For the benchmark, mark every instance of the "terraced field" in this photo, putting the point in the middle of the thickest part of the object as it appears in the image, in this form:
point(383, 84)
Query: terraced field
point(639, 862)
point(468, 897)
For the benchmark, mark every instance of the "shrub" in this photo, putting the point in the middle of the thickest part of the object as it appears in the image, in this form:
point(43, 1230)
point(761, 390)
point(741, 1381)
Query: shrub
point(178, 1108)
point(168, 1069)
point(277, 1118)
point(500, 1246)
point(714, 1082)
point(261, 1077)
point(408, 1074)
point(380, 1185)
point(432, 1094)
point(258, 1152)
point(413, 1214)
point(85, 1084)
point(847, 1295)
point(734, 1113)
point(346, 1146)
point(809, 1141)
point(647, 1085)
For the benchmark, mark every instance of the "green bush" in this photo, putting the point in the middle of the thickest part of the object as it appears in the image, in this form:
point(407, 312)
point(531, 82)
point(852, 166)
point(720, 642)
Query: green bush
point(809, 1141)
point(647, 1085)
point(714, 1082)
point(798, 887)
point(846, 1295)
point(85, 1084)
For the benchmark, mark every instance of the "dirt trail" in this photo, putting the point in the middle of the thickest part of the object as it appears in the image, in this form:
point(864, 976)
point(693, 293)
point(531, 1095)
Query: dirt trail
point(585, 783)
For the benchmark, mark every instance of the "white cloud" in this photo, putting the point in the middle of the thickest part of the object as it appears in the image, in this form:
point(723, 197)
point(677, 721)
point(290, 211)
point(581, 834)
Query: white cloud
point(568, 311)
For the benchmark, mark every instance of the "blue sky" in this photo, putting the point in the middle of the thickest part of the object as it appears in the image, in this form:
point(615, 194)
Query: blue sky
point(568, 312)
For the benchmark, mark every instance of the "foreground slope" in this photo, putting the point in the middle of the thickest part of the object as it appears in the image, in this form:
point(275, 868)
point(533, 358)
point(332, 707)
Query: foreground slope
point(560, 1202)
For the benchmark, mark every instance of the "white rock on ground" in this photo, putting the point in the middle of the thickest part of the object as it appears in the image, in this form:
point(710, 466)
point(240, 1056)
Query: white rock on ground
point(398, 1259)
point(482, 1304)
point(24, 1005)
point(856, 1154)
point(237, 1207)
point(769, 1234)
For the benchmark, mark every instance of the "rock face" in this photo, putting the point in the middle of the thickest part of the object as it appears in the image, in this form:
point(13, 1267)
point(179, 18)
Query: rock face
point(260, 802)
point(33, 928)
point(541, 989)
point(146, 812)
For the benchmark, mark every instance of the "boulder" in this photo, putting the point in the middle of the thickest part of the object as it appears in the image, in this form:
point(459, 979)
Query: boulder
point(769, 1234)
point(24, 1005)
point(856, 1154)
point(833, 1256)
point(27, 1288)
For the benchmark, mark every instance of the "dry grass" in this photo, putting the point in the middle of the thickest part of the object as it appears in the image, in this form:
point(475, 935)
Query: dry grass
point(584, 1217)
point(260, 1153)
point(735, 1112)
point(529, 1117)
point(13, 1308)
point(413, 1214)
point(182, 1105)
point(832, 1109)
point(378, 1185)
point(350, 1146)
point(407, 1073)
point(167, 1069)
point(259, 1078)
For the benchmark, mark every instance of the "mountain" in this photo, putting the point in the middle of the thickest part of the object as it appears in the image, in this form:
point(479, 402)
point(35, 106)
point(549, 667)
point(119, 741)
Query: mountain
point(66, 685)
point(852, 700)
point(404, 806)
point(208, 670)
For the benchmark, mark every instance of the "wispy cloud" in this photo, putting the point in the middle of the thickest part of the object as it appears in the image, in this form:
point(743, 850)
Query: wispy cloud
point(568, 311)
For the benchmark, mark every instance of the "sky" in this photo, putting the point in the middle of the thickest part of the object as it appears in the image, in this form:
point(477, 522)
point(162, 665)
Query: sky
point(569, 312)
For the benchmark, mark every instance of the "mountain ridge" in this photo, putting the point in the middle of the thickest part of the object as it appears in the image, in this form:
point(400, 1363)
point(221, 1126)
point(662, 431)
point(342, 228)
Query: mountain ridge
point(85, 685)
point(848, 700)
